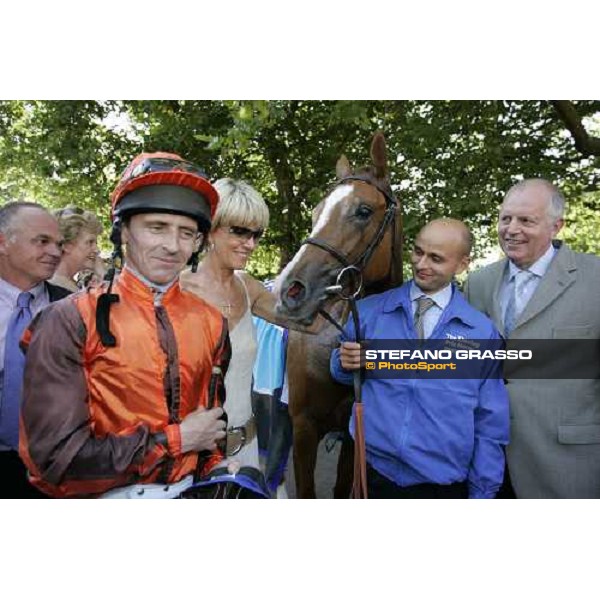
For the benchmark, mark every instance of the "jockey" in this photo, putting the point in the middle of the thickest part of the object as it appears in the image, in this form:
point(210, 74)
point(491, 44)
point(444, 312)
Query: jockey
point(123, 385)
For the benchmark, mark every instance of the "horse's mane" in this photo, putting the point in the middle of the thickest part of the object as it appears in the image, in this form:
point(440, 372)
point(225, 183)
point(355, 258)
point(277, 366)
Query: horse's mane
point(367, 170)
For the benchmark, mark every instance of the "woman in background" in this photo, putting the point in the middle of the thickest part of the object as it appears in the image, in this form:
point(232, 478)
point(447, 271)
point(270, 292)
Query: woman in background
point(80, 230)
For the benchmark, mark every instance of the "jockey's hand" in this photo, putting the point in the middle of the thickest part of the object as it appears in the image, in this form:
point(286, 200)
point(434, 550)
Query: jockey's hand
point(202, 429)
point(350, 356)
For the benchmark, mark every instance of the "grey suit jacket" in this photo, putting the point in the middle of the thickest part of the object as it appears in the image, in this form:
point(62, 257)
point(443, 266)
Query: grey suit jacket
point(554, 450)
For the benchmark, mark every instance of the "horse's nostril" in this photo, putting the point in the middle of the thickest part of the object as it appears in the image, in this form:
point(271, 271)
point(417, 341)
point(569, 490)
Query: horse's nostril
point(294, 295)
point(296, 291)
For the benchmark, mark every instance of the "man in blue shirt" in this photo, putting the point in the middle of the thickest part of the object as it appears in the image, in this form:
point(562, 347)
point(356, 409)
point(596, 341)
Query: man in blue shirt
point(429, 437)
point(30, 250)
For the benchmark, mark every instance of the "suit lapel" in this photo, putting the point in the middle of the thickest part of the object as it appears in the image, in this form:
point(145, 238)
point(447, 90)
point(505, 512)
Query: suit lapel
point(498, 278)
point(559, 277)
point(56, 292)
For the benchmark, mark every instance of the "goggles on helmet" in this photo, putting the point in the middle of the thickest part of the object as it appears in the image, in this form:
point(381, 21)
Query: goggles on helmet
point(159, 164)
point(165, 182)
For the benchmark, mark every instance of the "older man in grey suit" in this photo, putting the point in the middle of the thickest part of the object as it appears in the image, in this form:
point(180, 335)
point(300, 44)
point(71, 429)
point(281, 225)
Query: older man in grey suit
point(544, 290)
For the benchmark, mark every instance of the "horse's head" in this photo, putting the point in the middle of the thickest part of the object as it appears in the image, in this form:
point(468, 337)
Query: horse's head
point(355, 224)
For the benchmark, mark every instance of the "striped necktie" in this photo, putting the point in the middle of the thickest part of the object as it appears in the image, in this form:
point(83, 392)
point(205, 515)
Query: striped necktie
point(423, 305)
point(515, 306)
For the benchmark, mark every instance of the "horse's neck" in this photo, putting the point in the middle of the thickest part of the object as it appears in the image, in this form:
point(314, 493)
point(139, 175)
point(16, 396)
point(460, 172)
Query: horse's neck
point(396, 266)
point(377, 287)
point(393, 246)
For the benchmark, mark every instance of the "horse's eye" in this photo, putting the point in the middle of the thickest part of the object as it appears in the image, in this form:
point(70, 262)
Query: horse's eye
point(363, 211)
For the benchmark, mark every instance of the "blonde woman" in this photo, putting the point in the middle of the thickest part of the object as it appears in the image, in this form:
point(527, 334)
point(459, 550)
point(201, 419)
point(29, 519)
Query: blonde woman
point(240, 221)
point(79, 230)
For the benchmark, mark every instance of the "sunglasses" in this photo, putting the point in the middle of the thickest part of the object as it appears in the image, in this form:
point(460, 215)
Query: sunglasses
point(157, 165)
point(245, 233)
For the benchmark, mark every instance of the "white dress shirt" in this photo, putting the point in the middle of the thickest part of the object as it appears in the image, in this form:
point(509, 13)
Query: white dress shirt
point(528, 285)
point(432, 316)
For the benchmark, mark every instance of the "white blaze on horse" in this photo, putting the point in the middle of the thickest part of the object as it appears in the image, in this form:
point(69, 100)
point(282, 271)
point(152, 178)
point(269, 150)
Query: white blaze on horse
point(357, 227)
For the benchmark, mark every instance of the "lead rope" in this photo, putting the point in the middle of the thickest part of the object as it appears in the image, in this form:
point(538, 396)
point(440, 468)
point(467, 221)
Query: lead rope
point(359, 486)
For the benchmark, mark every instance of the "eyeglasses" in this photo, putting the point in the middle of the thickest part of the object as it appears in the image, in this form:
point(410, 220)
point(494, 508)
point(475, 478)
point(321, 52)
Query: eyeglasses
point(245, 233)
point(157, 165)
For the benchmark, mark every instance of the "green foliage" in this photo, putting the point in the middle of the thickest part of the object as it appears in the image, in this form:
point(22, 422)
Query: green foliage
point(264, 263)
point(454, 158)
point(582, 224)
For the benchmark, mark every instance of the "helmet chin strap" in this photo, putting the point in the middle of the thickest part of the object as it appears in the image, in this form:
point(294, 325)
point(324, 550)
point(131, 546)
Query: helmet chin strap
point(106, 299)
point(195, 257)
point(194, 260)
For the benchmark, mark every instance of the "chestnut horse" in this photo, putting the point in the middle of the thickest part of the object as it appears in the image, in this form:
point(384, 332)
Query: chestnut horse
point(358, 223)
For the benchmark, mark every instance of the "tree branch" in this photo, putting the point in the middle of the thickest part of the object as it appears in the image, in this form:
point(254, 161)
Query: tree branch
point(586, 144)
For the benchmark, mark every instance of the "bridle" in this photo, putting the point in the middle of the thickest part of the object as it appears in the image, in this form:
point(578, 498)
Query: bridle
point(357, 266)
point(359, 487)
point(388, 217)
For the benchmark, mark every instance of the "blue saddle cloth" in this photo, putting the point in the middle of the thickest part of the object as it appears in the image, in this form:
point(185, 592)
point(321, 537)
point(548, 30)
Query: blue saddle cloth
point(247, 483)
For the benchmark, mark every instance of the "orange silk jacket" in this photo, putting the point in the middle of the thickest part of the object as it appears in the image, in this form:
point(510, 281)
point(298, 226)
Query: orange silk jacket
point(89, 412)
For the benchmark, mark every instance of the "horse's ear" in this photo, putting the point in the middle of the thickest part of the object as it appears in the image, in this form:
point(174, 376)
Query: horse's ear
point(379, 155)
point(342, 168)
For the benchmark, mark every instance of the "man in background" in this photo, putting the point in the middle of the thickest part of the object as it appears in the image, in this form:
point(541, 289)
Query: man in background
point(30, 250)
point(544, 290)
